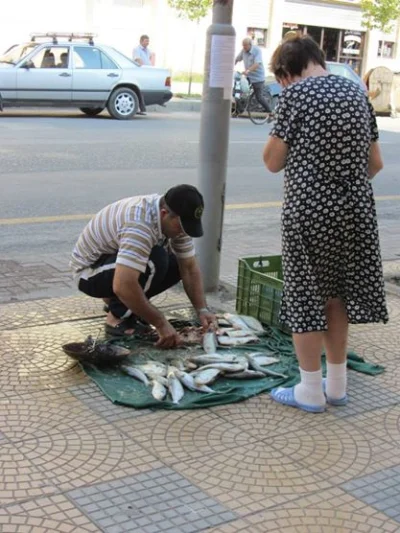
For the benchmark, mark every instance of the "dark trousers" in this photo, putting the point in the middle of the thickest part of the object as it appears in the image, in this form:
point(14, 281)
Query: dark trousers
point(258, 88)
point(162, 272)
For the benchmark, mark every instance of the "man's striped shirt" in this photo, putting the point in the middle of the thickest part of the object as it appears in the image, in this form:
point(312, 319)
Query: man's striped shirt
point(131, 228)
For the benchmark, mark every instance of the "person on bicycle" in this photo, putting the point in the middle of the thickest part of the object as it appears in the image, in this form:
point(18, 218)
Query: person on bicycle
point(253, 63)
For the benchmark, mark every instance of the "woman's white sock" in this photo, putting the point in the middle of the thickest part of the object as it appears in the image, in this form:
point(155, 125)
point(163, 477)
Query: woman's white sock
point(336, 380)
point(309, 391)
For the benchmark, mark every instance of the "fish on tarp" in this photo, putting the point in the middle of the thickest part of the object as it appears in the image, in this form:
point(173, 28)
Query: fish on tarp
point(237, 333)
point(246, 374)
point(252, 323)
point(175, 387)
point(236, 321)
point(135, 373)
point(238, 341)
point(206, 359)
point(256, 366)
point(153, 369)
point(159, 388)
point(188, 381)
point(224, 367)
point(210, 342)
point(264, 360)
point(204, 377)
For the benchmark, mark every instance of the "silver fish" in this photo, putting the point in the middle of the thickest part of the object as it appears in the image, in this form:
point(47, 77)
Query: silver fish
point(210, 342)
point(256, 366)
point(236, 321)
point(239, 341)
point(205, 377)
point(235, 333)
point(135, 373)
point(264, 360)
point(175, 387)
point(206, 359)
point(159, 391)
point(188, 381)
point(252, 323)
point(246, 374)
point(153, 369)
point(224, 367)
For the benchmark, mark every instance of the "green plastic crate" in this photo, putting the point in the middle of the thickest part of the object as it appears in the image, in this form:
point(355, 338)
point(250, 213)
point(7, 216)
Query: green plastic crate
point(259, 289)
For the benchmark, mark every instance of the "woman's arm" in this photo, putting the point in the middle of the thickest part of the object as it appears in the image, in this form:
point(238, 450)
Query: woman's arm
point(275, 154)
point(375, 163)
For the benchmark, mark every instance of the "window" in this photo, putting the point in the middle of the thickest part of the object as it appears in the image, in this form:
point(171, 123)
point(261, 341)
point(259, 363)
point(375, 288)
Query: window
point(106, 62)
point(91, 58)
point(51, 57)
point(258, 36)
point(85, 57)
point(386, 49)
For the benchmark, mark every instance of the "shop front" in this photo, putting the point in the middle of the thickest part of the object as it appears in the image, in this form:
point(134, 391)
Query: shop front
point(340, 45)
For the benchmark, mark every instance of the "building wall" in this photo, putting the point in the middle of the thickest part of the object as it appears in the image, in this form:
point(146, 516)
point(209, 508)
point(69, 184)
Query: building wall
point(174, 40)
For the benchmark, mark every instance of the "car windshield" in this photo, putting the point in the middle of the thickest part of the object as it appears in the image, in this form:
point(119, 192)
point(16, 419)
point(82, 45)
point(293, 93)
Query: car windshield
point(343, 70)
point(17, 52)
point(122, 60)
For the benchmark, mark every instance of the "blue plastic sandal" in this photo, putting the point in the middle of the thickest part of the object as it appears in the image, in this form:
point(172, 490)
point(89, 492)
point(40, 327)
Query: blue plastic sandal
point(286, 397)
point(337, 402)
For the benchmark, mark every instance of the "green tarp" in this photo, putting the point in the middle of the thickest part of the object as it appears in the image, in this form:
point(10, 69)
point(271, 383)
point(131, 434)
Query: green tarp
point(123, 389)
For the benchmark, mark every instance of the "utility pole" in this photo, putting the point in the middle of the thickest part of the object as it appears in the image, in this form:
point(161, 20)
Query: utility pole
point(214, 136)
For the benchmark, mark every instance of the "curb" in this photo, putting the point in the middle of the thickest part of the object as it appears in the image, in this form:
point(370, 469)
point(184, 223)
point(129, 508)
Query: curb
point(177, 105)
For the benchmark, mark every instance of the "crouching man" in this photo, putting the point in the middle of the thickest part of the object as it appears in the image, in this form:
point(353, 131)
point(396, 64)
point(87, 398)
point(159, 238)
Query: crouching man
point(137, 248)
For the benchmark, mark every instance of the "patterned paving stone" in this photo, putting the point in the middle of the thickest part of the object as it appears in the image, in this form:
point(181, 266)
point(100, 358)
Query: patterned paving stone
point(49, 311)
point(330, 511)
point(44, 414)
point(158, 501)
point(175, 436)
point(91, 396)
point(365, 394)
point(45, 515)
point(380, 490)
point(383, 424)
point(251, 477)
point(33, 360)
point(86, 455)
point(262, 418)
point(20, 477)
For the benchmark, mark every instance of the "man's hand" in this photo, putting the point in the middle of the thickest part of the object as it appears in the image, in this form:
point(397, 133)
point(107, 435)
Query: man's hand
point(168, 336)
point(208, 319)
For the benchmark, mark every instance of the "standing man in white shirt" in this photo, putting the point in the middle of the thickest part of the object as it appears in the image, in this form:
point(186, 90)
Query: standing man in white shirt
point(143, 56)
point(142, 53)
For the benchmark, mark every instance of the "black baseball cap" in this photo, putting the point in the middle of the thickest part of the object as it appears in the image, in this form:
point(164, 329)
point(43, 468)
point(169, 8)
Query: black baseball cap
point(186, 202)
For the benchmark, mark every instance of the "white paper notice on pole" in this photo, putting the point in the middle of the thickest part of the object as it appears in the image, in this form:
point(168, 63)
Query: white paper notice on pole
point(221, 62)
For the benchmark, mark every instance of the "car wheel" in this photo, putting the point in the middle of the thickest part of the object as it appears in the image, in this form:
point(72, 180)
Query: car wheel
point(123, 103)
point(91, 111)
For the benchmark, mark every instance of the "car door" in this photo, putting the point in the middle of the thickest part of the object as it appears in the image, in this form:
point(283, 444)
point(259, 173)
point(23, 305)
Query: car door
point(94, 76)
point(8, 83)
point(45, 77)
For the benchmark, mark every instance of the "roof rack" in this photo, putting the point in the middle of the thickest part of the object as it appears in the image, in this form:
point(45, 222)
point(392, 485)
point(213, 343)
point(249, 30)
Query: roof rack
point(54, 36)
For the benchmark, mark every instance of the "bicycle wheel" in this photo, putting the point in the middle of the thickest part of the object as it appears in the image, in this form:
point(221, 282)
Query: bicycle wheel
point(257, 113)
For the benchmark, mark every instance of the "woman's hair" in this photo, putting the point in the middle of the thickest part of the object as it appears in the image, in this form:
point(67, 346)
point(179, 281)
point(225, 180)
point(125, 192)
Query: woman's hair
point(293, 56)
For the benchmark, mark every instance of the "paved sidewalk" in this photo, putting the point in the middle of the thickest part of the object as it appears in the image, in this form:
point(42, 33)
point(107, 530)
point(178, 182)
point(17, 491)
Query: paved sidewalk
point(71, 461)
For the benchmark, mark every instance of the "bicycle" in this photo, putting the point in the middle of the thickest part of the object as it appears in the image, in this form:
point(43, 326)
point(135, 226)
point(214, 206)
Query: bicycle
point(246, 102)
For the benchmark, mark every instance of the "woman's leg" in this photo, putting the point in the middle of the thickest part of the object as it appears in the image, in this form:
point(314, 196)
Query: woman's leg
point(308, 348)
point(335, 342)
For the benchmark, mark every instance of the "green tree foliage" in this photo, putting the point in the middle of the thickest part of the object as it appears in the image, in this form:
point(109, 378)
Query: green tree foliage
point(191, 9)
point(380, 14)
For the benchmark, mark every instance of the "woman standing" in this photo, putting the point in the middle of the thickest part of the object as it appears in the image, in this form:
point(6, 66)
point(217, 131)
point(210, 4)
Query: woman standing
point(326, 138)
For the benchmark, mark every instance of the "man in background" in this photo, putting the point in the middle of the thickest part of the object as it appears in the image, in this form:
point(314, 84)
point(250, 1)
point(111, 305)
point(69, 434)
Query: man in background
point(254, 70)
point(142, 54)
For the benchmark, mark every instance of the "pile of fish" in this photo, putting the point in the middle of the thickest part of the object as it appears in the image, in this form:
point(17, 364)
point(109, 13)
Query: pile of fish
point(237, 330)
point(197, 372)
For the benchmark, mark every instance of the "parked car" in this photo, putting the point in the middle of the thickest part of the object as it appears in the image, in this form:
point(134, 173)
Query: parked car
point(60, 70)
point(338, 69)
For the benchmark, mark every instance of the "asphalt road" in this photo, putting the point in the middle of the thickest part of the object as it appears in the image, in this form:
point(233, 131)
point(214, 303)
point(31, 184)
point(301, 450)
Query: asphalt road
point(57, 164)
